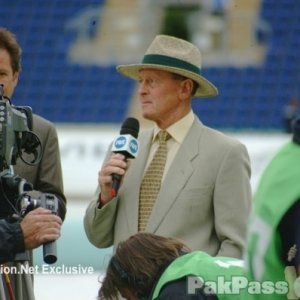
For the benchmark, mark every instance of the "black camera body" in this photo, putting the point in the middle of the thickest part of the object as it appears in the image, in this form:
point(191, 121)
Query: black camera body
point(11, 121)
point(16, 133)
point(48, 201)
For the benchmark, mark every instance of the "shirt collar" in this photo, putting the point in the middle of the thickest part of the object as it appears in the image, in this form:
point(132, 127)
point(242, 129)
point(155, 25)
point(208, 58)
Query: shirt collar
point(179, 129)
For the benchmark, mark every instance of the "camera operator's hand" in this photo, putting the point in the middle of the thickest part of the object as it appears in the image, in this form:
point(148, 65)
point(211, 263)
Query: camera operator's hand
point(40, 226)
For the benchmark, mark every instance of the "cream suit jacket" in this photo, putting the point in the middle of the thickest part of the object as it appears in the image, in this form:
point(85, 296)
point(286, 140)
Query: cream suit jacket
point(204, 200)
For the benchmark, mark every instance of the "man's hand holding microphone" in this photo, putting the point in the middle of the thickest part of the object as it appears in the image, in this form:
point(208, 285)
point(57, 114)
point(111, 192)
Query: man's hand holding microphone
point(124, 147)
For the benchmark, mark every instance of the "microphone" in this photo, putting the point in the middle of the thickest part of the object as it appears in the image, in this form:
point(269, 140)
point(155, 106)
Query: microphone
point(128, 145)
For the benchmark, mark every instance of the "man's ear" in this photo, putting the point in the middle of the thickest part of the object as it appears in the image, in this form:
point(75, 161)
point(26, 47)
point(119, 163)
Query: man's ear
point(187, 88)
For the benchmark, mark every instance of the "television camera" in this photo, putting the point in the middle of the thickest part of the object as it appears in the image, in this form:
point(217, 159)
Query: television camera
point(18, 141)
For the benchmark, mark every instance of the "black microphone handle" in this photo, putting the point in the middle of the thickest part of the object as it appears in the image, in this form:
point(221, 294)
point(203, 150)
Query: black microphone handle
point(116, 181)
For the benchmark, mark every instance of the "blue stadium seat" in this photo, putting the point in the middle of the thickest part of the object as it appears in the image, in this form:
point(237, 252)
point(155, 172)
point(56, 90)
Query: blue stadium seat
point(250, 97)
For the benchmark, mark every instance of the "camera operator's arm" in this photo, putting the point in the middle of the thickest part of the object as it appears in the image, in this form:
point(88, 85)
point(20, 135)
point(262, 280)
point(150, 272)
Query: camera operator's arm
point(37, 227)
point(11, 240)
point(40, 226)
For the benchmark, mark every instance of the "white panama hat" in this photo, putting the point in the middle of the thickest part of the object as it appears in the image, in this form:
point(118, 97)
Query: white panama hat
point(176, 56)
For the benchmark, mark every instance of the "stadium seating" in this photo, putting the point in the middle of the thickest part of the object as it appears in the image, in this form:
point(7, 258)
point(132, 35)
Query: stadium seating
point(251, 97)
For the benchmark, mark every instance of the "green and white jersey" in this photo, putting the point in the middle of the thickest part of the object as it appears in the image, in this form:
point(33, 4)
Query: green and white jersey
point(278, 190)
point(217, 275)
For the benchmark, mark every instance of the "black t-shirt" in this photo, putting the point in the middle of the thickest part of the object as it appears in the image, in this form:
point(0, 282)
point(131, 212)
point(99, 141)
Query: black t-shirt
point(178, 290)
point(289, 229)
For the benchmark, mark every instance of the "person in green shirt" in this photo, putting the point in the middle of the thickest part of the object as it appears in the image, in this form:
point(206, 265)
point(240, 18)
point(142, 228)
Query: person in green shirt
point(274, 229)
point(149, 266)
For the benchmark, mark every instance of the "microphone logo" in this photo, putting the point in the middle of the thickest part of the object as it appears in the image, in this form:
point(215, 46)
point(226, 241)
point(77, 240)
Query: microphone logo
point(120, 142)
point(127, 145)
point(133, 146)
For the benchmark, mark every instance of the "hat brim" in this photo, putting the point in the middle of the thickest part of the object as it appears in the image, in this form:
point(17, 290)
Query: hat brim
point(205, 89)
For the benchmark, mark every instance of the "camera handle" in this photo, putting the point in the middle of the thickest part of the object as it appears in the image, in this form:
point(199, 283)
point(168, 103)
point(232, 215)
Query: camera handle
point(49, 252)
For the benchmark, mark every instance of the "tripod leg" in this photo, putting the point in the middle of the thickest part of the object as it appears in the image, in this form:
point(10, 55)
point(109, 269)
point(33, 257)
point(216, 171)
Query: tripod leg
point(26, 277)
point(2, 291)
point(19, 285)
point(29, 287)
point(8, 285)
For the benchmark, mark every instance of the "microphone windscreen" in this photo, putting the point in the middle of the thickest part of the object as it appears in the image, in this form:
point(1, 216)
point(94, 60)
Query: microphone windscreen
point(130, 126)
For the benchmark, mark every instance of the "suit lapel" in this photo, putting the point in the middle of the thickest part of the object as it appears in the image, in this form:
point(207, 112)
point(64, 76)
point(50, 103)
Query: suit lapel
point(177, 176)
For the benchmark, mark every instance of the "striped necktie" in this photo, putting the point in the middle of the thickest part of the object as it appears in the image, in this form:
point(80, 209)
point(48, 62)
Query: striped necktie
point(151, 183)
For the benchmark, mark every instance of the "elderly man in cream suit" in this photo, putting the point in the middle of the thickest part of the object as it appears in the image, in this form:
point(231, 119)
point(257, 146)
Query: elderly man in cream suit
point(205, 194)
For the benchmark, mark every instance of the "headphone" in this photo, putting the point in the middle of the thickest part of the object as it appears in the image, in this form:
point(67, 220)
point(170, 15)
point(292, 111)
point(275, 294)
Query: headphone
point(137, 284)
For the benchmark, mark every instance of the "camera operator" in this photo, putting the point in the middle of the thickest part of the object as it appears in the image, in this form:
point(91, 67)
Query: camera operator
point(45, 176)
point(38, 227)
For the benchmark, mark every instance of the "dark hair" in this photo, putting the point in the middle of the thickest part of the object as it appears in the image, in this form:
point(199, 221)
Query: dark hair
point(8, 41)
point(137, 263)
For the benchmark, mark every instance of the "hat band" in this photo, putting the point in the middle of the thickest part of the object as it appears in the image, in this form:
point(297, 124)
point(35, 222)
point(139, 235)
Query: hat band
point(168, 61)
